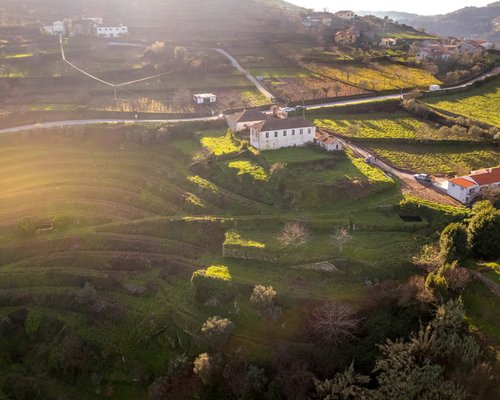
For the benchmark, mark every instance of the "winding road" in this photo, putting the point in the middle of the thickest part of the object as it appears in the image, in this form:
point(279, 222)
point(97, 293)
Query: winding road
point(103, 121)
point(249, 76)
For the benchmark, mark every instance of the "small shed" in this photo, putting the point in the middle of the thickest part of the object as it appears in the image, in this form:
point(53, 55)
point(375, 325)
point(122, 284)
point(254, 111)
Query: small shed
point(204, 98)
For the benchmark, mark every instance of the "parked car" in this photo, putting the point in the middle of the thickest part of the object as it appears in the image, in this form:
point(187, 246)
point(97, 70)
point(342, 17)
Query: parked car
point(370, 160)
point(288, 109)
point(423, 178)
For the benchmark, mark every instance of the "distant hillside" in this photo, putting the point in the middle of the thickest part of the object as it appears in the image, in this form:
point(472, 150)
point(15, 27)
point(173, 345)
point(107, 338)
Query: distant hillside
point(469, 22)
point(173, 17)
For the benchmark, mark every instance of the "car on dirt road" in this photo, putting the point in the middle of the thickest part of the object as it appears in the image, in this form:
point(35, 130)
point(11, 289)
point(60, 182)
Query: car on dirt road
point(423, 178)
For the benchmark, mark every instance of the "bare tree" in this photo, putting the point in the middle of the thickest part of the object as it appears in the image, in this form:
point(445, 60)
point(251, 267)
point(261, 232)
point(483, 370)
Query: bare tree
point(337, 88)
point(264, 298)
point(457, 278)
point(333, 322)
point(341, 237)
point(294, 234)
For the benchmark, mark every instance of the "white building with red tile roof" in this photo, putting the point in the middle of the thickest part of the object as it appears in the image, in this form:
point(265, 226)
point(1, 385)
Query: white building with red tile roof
point(466, 188)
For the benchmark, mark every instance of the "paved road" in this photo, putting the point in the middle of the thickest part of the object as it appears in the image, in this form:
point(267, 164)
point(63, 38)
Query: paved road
point(409, 184)
point(103, 121)
point(249, 76)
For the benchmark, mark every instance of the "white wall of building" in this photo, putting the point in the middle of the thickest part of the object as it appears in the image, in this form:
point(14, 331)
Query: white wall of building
point(111, 31)
point(458, 192)
point(268, 140)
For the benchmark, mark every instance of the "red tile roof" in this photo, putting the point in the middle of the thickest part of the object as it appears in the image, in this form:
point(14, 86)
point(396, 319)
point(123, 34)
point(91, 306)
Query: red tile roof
point(465, 183)
point(482, 177)
point(487, 177)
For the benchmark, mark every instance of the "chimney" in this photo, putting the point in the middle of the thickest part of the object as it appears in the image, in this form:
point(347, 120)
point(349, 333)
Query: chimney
point(275, 111)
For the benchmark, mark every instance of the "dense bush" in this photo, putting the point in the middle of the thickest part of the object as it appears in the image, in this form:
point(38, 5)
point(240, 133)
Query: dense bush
point(212, 283)
point(217, 329)
point(484, 231)
point(453, 242)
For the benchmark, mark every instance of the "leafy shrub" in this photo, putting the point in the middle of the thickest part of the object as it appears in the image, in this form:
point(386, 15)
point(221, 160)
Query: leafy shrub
point(453, 242)
point(213, 282)
point(217, 329)
point(484, 231)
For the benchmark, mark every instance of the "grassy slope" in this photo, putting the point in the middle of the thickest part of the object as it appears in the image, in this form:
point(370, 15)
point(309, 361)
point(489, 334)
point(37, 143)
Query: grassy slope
point(117, 206)
point(481, 103)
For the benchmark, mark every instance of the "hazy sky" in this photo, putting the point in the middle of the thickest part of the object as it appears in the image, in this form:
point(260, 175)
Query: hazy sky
point(424, 7)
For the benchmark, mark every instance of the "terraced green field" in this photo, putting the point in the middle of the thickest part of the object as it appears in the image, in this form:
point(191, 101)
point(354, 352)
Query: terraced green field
point(481, 103)
point(102, 228)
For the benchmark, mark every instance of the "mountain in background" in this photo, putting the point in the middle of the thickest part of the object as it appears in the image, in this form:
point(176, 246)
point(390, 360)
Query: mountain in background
point(468, 22)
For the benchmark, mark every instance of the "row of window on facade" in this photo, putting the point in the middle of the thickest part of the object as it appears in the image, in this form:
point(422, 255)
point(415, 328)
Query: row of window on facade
point(301, 132)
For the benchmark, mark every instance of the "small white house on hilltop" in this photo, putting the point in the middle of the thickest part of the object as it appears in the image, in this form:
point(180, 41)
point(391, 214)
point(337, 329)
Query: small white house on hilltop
point(57, 28)
point(244, 119)
point(276, 133)
point(204, 98)
point(388, 42)
point(345, 14)
point(466, 188)
point(111, 31)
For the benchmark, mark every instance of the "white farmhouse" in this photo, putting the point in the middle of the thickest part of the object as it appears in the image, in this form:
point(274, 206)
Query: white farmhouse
point(327, 142)
point(466, 188)
point(345, 14)
point(111, 31)
point(204, 98)
point(276, 133)
point(96, 20)
point(244, 119)
point(388, 42)
point(57, 28)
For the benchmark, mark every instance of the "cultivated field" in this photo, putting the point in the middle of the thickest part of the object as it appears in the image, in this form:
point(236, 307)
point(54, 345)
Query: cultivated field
point(449, 160)
point(377, 76)
point(311, 88)
point(481, 103)
point(394, 125)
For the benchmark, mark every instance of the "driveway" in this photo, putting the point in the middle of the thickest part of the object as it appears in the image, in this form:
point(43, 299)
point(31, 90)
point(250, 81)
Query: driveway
point(249, 76)
point(432, 192)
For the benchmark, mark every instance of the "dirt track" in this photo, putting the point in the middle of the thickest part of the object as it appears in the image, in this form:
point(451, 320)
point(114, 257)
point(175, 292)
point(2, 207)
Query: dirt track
point(408, 182)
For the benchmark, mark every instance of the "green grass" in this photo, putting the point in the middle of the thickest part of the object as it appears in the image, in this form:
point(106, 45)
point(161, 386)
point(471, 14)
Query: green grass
point(481, 103)
point(128, 213)
point(220, 145)
point(252, 169)
point(293, 155)
point(483, 310)
point(438, 159)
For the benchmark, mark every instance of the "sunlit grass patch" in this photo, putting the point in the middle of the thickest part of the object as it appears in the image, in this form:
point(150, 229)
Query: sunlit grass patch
point(203, 183)
point(373, 174)
point(247, 167)
point(221, 145)
point(234, 238)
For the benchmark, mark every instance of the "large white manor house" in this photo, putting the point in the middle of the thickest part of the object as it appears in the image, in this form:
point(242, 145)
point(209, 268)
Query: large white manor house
point(271, 132)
